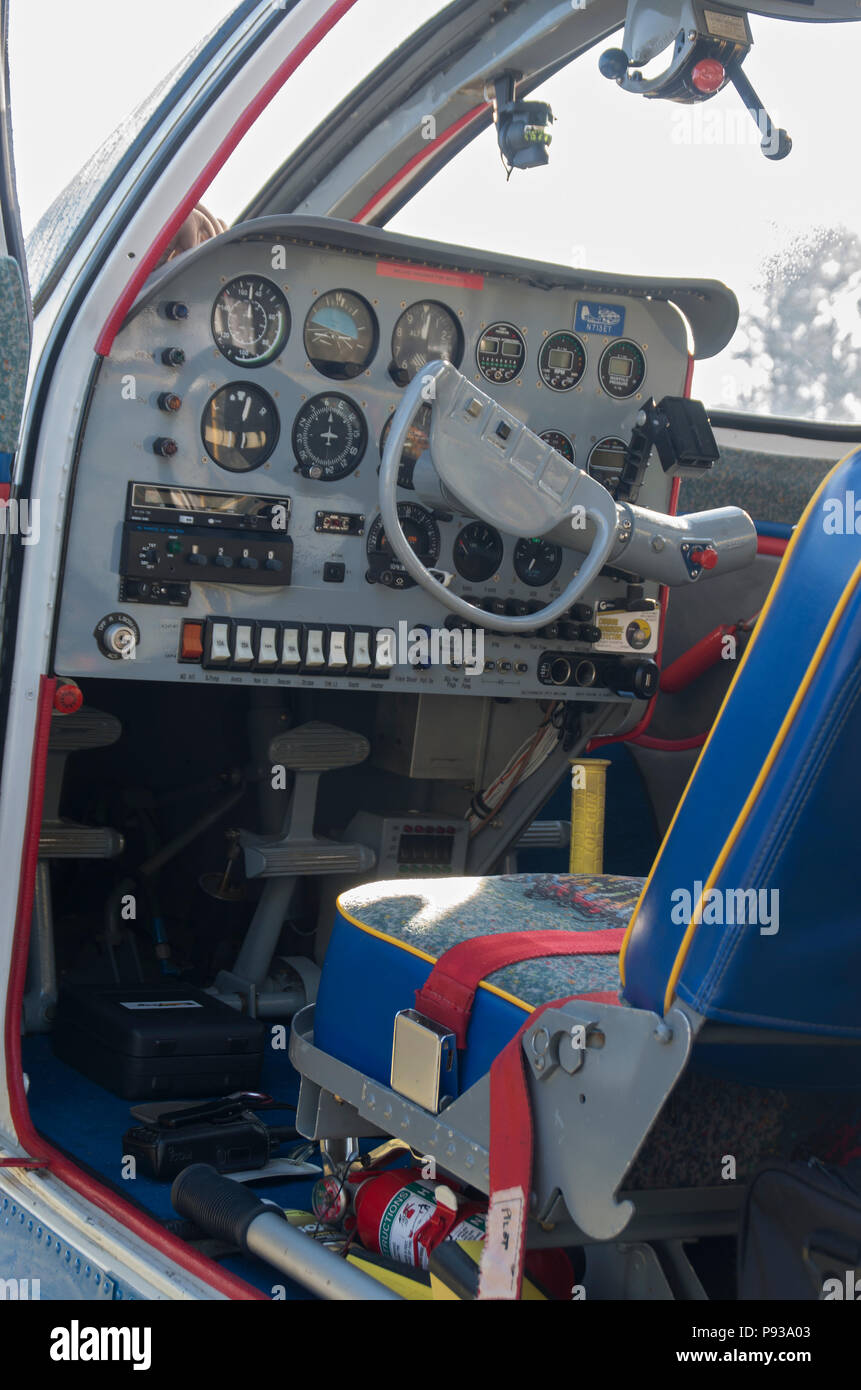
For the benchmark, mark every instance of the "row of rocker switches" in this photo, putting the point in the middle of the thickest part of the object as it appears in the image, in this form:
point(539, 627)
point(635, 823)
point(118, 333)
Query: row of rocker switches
point(231, 644)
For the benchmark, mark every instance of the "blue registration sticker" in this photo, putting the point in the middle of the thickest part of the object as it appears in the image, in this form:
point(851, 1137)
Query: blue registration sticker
point(606, 319)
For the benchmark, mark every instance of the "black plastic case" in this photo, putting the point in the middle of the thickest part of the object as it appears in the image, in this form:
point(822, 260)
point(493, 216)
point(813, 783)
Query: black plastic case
point(147, 1042)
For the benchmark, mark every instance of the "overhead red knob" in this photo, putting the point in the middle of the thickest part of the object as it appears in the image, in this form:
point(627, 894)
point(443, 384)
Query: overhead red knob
point(705, 558)
point(708, 76)
point(68, 698)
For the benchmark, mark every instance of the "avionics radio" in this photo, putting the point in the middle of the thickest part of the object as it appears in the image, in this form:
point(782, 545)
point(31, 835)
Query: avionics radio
point(173, 536)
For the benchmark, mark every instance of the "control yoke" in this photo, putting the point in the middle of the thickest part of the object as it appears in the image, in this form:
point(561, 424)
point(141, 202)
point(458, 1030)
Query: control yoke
point(484, 462)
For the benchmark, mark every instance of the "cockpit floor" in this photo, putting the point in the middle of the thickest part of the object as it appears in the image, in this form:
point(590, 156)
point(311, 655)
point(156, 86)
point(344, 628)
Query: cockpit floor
point(88, 1123)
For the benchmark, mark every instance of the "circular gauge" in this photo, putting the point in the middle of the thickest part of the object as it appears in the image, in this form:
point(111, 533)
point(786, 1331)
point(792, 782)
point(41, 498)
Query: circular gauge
point(501, 353)
point(477, 552)
point(606, 462)
point(622, 369)
point(536, 561)
point(560, 442)
point(340, 334)
point(329, 438)
point(425, 332)
point(250, 321)
point(239, 427)
point(561, 361)
point(417, 441)
point(422, 533)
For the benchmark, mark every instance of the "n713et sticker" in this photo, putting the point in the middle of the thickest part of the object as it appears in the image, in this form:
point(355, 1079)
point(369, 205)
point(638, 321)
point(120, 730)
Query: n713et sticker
point(606, 319)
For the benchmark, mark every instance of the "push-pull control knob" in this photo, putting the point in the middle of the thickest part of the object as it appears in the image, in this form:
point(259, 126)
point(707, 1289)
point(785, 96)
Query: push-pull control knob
point(706, 556)
point(118, 636)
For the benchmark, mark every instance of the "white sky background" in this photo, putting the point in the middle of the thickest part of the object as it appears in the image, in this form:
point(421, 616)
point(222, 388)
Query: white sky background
point(624, 190)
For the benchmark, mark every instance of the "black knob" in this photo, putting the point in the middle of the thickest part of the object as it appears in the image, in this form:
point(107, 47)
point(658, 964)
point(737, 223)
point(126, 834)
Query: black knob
point(176, 310)
point(588, 633)
point(172, 356)
point(580, 612)
point(169, 401)
point(195, 558)
point(248, 562)
point(166, 448)
point(224, 562)
point(569, 632)
point(516, 608)
point(272, 564)
point(613, 63)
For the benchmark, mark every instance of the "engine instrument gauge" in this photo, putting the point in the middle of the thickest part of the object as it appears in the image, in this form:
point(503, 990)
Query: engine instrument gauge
point(425, 332)
point(561, 361)
point(501, 353)
point(622, 369)
point(536, 561)
point(329, 437)
point(417, 440)
point(250, 321)
point(239, 427)
point(422, 533)
point(477, 552)
point(606, 462)
point(340, 334)
point(560, 442)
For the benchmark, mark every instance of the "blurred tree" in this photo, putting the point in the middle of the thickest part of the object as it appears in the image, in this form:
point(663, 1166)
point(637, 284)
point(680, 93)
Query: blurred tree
point(801, 341)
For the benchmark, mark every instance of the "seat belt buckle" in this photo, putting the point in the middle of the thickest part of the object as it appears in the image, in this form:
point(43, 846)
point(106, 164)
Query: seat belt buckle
point(424, 1061)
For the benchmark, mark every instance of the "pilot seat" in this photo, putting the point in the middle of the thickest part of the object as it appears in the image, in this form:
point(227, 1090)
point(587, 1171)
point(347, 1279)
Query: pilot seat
point(610, 1058)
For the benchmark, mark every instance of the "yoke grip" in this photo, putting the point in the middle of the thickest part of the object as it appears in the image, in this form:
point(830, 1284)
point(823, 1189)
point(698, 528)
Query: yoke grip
point(222, 1208)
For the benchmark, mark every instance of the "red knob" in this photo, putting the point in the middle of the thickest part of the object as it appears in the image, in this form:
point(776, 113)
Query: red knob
point(707, 559)
point(68, 698)
point(708, 76)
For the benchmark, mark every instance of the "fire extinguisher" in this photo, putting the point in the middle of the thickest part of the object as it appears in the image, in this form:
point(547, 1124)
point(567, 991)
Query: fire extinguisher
point(405, 1216)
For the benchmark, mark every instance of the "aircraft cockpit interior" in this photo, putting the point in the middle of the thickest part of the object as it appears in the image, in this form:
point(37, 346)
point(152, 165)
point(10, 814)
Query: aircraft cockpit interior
point(431, 717)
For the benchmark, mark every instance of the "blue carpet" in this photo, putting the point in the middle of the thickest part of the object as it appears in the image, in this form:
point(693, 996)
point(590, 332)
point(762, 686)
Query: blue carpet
point(88, 1123)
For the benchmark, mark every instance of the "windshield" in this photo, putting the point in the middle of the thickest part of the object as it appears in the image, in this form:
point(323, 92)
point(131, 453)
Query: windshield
point(657, 188)
point(106, 74)
point(58, 205)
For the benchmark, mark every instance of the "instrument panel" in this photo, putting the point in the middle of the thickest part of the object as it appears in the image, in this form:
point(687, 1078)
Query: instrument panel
point(225, 502)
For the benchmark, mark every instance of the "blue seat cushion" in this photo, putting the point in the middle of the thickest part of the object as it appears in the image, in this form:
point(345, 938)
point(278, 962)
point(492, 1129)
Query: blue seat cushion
point(388, 936)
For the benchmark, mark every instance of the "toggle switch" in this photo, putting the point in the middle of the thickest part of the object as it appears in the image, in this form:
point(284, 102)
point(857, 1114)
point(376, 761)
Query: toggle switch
point(315, 655)
point(267, 646)
point(243, 647)
point(291, 656)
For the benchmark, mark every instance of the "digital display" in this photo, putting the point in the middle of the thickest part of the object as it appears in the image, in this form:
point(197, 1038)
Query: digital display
point(606, 460)
point(423, 848)
point(620, 366)
point(560, 359)
point(490, 345)
point(510, 348)
point(182, 499)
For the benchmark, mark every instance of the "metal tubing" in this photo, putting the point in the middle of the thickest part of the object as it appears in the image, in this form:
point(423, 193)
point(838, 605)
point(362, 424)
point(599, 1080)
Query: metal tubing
point(308, 1262)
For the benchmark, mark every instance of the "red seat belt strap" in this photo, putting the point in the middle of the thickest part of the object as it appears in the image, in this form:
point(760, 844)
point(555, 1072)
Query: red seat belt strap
point(511, 1142)
point(448, 994)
